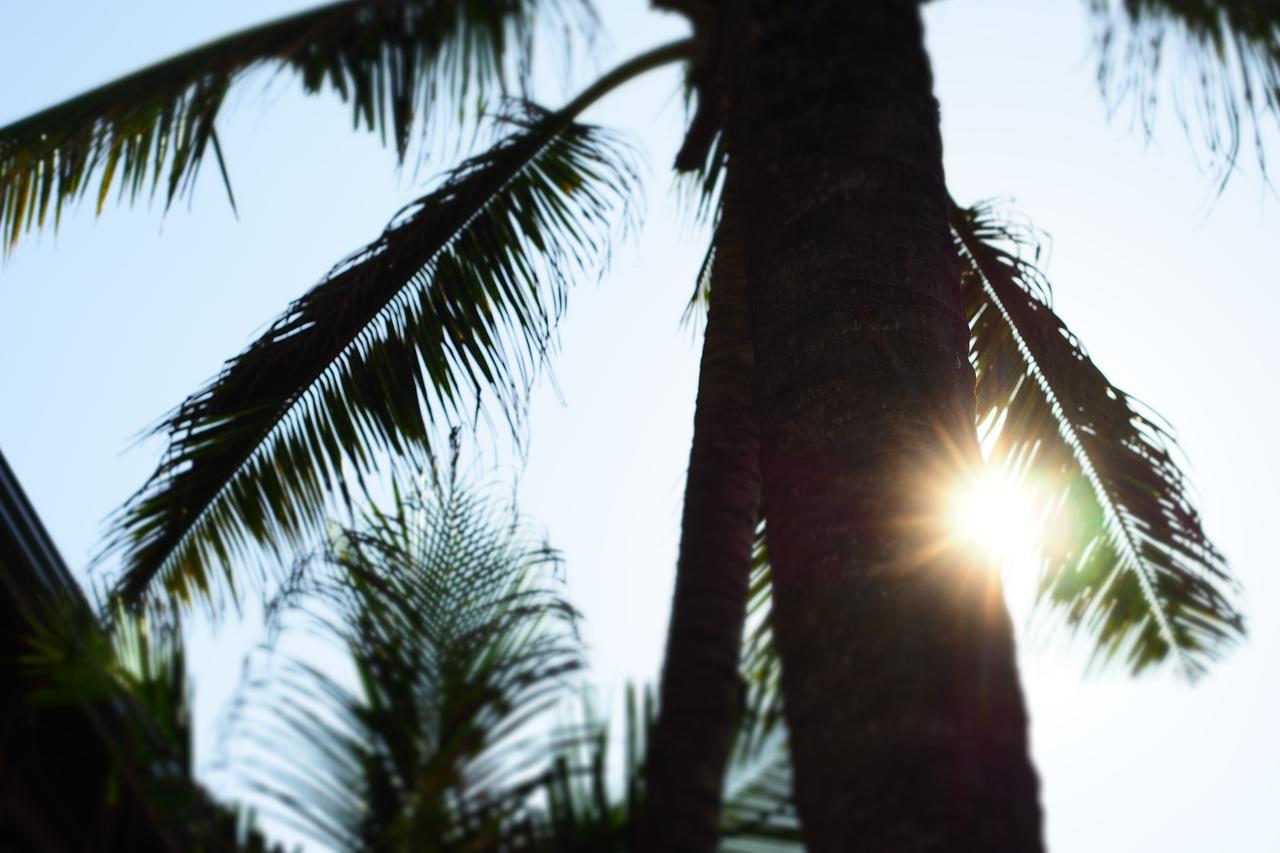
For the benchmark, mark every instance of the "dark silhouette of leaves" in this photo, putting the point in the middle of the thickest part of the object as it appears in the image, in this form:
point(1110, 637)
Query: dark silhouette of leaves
point(392, 61)
point(458, 296)
point(131, 680)
point(1123, 551)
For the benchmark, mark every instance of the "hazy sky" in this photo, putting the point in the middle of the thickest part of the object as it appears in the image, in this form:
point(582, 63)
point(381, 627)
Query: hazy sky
point(106, 327)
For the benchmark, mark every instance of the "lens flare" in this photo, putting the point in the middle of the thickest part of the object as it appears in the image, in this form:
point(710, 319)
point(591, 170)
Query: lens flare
point(993, 516)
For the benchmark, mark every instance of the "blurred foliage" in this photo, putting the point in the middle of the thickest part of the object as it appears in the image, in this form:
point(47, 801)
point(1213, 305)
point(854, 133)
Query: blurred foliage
point(1218, 59)
point(395, 63)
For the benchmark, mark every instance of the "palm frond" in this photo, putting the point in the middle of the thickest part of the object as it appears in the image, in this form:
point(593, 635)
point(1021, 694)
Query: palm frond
point(451, 612)
point(1226, 51)
point(71, 659)
point(699, 189)
point(392, 61)
point(1125, 555)
point(701, 160)
point(458, 296)
point(703, 157)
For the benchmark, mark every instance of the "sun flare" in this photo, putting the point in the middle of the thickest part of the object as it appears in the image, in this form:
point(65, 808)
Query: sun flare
point(992, 515)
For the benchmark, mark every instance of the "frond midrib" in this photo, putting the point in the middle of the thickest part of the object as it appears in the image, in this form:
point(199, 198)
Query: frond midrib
point(1116, 520)
point(536, 144)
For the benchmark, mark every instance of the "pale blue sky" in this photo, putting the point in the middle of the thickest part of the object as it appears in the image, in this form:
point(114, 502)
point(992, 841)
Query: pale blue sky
point(110, 324)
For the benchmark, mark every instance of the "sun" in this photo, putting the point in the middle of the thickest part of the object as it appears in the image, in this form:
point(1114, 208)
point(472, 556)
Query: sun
point(992, 515)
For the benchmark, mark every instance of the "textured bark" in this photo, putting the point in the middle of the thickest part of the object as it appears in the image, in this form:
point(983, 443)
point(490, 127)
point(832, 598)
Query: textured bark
point(909, 731)
point(701, 694)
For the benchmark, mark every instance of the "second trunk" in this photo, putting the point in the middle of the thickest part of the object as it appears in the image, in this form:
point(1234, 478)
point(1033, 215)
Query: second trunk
point(701, 696)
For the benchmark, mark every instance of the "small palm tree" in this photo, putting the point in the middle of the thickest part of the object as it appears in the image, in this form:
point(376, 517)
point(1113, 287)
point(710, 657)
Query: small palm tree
point(463, 654)
point(850, 295)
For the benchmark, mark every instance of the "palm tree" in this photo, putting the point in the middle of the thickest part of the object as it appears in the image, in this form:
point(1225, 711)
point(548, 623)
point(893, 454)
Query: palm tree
point(864, 287)
point(448, 733)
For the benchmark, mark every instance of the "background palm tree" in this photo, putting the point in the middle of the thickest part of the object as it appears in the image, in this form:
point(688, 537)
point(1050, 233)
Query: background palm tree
point(304, 490)
point(464, 723)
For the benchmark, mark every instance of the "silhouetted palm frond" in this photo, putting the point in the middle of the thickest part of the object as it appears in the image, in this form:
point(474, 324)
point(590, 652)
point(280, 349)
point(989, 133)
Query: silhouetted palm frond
point(1226, 51)
point(700, 188)
point(70, 658)
point(390, 60)
point(458, 296)
point(1125, 554)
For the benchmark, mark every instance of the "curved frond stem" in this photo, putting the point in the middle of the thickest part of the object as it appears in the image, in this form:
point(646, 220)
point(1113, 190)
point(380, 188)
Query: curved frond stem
point(1118, 524)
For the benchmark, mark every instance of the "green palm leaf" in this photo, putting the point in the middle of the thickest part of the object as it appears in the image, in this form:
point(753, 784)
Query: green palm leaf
point(452, 615)
point(1125, 554)
point(1229, 50)
point(759, 814)
point(389, 60)
point(458, 296)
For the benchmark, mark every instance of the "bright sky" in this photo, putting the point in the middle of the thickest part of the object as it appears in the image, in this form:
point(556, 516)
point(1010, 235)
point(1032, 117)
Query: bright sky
point(106, 327)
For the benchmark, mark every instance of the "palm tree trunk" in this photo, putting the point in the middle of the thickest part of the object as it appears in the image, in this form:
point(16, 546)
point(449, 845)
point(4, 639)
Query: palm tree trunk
point(908, 726)
point(701, 694)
